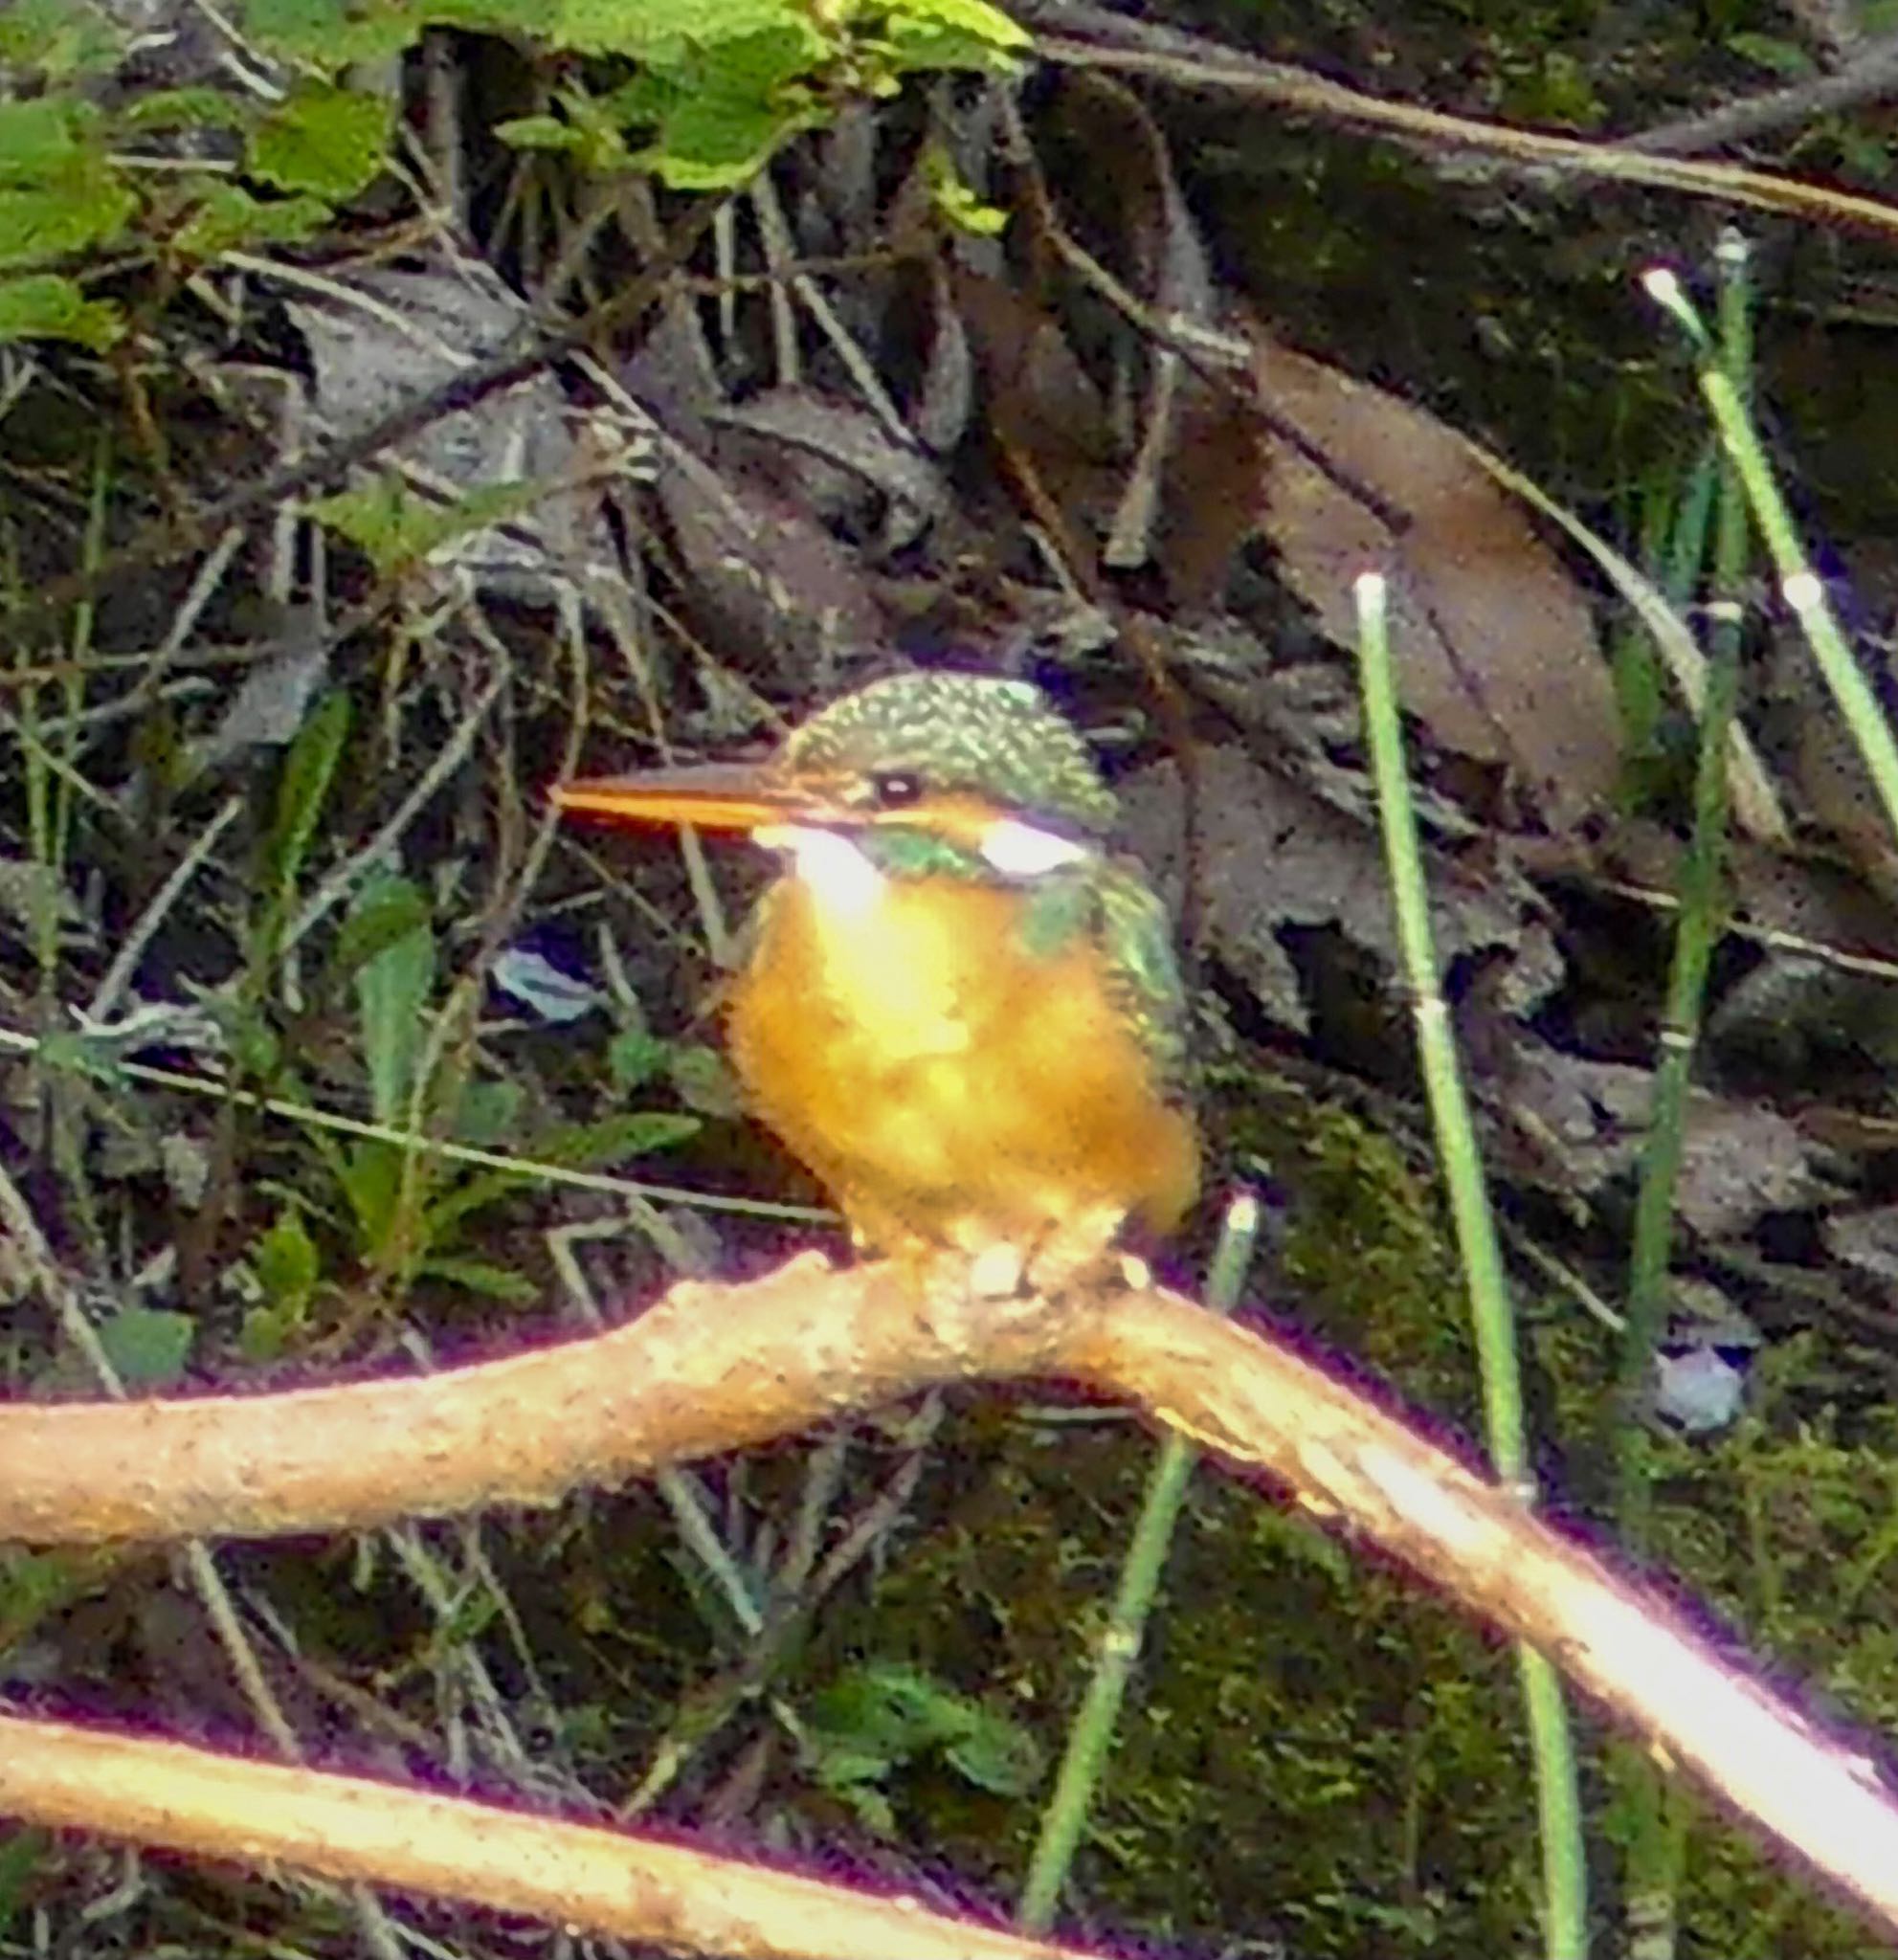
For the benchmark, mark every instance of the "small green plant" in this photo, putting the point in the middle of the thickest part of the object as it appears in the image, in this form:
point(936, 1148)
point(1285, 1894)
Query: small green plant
point(408, 1212)
point(881, 1716)
point(405, 1210)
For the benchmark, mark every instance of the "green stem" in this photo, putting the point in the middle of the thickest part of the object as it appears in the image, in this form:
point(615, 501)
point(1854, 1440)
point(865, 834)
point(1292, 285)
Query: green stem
point(1093, 1736)
point(1733, 422)
point(1558, 1801)
point(1696, 935)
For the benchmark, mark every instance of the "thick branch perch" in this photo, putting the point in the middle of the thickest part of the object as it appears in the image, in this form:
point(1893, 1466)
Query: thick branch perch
point(715, 1368)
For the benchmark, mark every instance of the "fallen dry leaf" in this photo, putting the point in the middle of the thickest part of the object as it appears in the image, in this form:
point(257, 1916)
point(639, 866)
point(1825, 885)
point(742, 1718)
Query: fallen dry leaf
point(1272, 854)
point(1584, 1123)
point(1494, 644)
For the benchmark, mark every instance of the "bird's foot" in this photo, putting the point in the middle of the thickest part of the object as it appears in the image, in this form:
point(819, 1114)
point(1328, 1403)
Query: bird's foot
point(1079, 1256)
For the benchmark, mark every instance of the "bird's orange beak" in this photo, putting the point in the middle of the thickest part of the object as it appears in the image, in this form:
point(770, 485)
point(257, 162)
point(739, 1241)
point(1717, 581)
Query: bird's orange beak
point(713, 797)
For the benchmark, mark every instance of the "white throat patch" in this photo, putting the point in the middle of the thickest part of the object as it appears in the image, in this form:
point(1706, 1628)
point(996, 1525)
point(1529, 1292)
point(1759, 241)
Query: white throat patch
point(844, 882)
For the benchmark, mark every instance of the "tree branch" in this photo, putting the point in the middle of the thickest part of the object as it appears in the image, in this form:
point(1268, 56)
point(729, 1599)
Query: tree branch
point(716, 1367)
point(210, 1805)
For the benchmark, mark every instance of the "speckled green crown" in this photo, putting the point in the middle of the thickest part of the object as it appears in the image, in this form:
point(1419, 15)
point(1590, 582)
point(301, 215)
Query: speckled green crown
point(1003, 739)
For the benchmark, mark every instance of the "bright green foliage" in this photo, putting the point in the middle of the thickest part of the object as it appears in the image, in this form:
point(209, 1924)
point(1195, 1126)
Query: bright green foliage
point(287, 1268)
point(58, 193)
point(48, 306)
point(950, 33)
point(56, 39)
point(184, 109)
point(388, 912)
point(718, 124)
point(703, 92)
point(1772, 52)
point(39, 139)
point(326, 141)
point(230, 219)
point(956, 201)
point(699, 1075)
point(648, 28)
point(332, 34)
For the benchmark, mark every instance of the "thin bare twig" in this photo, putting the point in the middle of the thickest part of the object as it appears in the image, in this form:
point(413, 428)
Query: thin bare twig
point(1086, 36)
point(1872, 73)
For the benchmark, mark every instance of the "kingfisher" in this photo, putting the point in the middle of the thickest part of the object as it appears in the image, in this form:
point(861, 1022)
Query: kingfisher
point(957, 1006)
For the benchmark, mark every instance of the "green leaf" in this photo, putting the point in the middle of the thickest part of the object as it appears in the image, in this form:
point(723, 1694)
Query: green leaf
point(995, 1753)
point(89, 207)
point(285, 1261)
point(881, 1714)
point(540, 132)
point(646, 28)
point(185, 109)
point(146, 1344)
point(398, 530)
point(59, 40)
point(472, 1192)
point(288, 1266)
point(488, 1113)
point(38, 142)
point(957, 202)
point(586, 127)
point(332, 34)
point(716, 143)
point(229, 218)
point(889, 1709)
point(1769, 52)
point(33, 1584)
point(635, 1055)
point(255, 1048)
point(321, 139)
point(873, 1810)
point(302, 789)
point(21, 1855)
point(938, 34)
point(46, 306)
point(392, 999)
point(975, 19)
point(371, 1175)
point(518, 18)
point(704, 1080)
point(383, 916)
point(58, 193)
point(265, 1333)
point(480, 1276)
point(595, 1145)
point(719, 113)
point(73, 1050)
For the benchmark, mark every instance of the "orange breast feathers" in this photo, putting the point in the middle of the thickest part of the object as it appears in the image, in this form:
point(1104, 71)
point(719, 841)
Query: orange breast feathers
point(947, 1083)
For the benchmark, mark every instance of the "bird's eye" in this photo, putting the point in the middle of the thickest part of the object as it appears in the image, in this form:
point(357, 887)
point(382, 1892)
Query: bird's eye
point(897, 789)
